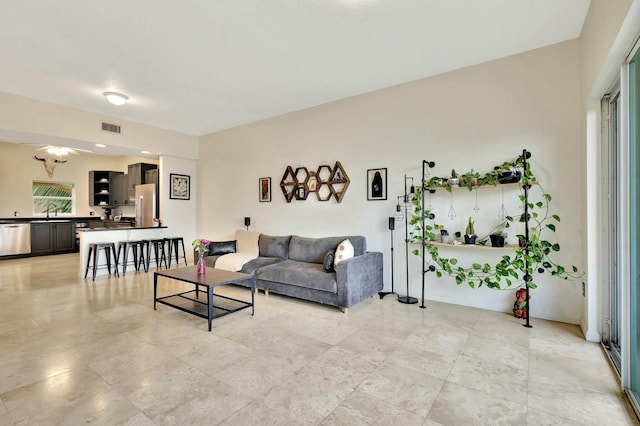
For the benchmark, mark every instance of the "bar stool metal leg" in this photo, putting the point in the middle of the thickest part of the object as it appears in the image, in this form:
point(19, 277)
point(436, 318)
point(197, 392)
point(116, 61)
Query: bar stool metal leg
point(86, 269)
point(184, 253)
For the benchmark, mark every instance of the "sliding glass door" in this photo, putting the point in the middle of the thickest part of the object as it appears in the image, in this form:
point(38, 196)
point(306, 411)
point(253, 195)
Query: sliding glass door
point(611, 295)
point(634, 225)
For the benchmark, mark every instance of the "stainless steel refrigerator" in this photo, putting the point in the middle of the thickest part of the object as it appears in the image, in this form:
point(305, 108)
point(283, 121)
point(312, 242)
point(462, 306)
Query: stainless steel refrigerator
point(146, 204)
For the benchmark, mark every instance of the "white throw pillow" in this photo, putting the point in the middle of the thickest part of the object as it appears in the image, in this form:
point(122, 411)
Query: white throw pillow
point(344, 251)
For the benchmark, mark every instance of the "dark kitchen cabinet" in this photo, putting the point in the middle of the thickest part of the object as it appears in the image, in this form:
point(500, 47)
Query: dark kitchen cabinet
point(102, 187)
point(137, 174)
point(119, 189)
point(53, 237)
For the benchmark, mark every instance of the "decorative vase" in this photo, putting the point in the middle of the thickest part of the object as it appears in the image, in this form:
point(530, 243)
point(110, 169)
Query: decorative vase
point(201, 269)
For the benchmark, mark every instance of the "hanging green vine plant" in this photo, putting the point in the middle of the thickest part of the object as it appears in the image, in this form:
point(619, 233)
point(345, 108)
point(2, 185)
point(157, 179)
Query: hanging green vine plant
point(509, 270)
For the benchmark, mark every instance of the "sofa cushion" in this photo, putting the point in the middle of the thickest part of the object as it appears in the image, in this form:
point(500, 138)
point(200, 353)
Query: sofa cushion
point(271, 246)
point(313, 250)
point(251, 266)
point(299, 274)
point(217, 248)
point(343, 252)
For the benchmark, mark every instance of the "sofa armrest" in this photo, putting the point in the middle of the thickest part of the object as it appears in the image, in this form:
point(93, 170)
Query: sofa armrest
point(359, 278)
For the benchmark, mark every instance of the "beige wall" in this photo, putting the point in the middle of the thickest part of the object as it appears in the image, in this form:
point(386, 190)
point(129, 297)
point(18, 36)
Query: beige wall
point(19, 170)
point(179, 215)
point(471, 118)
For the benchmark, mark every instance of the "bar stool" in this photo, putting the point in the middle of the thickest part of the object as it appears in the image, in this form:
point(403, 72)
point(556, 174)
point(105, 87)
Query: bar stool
point(173, 243)
point(94, 250)
point(138, 256)
point(158, 251)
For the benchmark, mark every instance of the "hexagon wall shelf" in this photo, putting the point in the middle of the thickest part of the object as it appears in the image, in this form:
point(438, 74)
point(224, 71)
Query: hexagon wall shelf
point(326, 182)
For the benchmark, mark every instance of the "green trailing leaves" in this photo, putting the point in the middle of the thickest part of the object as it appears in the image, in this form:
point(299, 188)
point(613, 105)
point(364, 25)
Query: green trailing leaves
point(533, 257)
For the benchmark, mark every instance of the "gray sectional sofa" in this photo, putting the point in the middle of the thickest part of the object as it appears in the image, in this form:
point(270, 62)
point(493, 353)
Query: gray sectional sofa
point(294, 266)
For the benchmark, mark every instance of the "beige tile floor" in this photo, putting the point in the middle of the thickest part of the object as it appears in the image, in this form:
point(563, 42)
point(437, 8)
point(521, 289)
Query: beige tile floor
point(73, 351)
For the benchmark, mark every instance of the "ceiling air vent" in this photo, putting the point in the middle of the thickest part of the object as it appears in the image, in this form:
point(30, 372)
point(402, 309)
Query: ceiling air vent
point(110, 127)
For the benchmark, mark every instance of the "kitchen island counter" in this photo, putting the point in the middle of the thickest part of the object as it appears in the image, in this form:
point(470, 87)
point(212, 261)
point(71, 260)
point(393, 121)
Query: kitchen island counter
point(115, 235)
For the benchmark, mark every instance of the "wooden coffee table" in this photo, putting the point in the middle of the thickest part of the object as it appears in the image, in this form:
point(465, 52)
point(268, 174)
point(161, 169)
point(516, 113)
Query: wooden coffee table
point(203, 305)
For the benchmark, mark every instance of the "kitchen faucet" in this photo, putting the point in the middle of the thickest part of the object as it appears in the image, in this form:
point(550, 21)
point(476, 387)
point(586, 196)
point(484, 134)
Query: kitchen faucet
point(55, 211)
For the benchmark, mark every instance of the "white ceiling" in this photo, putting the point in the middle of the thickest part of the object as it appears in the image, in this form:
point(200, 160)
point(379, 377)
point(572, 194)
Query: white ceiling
point(198, 66)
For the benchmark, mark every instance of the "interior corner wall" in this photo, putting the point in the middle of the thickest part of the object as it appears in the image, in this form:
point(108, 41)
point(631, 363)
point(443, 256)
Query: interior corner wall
point(179, 215)
point(608, 34)
point(473, 118)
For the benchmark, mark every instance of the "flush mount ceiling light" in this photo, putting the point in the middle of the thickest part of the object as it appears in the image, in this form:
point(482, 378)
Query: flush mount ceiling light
point(116, 98)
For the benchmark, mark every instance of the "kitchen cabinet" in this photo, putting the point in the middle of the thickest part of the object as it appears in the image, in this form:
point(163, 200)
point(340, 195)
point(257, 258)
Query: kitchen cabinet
point(52, 237)
point(120, 191)
point(136, 174)
point(102, 187)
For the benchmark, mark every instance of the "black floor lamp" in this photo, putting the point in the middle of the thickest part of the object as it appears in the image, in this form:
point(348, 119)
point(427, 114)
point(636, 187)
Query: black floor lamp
point(392, 225)
point(407, 299)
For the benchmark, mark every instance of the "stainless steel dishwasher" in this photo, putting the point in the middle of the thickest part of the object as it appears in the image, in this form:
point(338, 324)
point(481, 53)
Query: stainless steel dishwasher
point(15, 238)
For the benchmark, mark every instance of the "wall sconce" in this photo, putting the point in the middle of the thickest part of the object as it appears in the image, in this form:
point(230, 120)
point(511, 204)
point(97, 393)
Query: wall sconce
point(247, 222)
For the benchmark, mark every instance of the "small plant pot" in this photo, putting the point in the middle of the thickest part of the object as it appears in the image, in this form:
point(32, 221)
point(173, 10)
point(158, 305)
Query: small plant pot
point(453, 181)
point(446, 239)
point(509, 177)
point(497, 240)
point(521, 243)
point(473, 181)
point(470, 239)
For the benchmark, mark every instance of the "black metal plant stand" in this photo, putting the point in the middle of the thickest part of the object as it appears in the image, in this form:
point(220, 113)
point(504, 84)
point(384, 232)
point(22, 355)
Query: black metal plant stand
point(431, 268)
point(527, 277)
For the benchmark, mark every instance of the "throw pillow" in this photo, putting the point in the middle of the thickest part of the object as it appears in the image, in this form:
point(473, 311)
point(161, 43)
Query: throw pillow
point(329, 258)
point(344, 251)
point(217, 248)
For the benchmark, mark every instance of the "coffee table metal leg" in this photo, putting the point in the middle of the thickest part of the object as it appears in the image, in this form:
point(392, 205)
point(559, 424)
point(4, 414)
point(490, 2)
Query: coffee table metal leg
point(210, 304)
point(155, 290)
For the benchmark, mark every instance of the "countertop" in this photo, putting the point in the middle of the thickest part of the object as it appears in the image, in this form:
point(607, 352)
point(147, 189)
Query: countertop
point(52, 219)
point(119, 228)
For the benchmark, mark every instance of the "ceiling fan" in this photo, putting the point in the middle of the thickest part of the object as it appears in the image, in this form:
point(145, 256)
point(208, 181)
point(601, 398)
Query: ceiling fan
point(60, 151)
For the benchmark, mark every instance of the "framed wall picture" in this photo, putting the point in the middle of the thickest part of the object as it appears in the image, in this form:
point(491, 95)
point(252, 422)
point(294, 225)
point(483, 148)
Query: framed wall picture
point(264, 185)
point(377, 184)
point(179, 187)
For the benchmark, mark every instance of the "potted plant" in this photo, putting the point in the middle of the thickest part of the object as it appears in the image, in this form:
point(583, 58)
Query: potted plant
point(470, 233)
point(445, 236)
point(454, 180)
point(499, 235)
point(470, 179)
